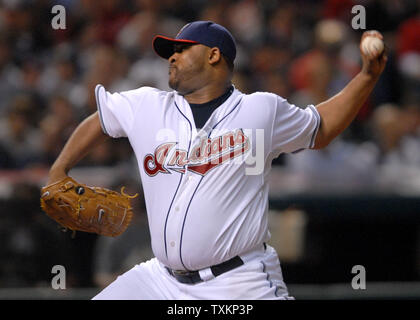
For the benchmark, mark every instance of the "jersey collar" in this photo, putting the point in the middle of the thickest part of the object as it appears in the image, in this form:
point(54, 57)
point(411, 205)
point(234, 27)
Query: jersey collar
point(218, 115)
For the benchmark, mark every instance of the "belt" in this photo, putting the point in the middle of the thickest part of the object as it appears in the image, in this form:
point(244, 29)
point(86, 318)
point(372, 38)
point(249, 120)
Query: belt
point(192, 277)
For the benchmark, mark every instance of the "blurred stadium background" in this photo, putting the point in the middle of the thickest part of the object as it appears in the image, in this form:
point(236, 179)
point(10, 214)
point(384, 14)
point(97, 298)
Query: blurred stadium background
point(355, 203)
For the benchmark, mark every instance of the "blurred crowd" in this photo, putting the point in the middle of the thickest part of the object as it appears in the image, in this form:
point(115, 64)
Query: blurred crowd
point(303, 50)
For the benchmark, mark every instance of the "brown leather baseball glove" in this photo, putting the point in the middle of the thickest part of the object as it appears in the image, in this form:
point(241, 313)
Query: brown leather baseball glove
point(76, 206)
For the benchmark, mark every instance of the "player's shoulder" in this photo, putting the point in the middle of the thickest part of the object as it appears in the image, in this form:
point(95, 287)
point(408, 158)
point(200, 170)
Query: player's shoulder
point(263, 98)
point(146, 91)
point(136, 94)
point(135, 91)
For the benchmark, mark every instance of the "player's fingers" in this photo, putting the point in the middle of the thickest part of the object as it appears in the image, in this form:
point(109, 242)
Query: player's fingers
point(368, 54)
point(372, 33)
point(375, 55)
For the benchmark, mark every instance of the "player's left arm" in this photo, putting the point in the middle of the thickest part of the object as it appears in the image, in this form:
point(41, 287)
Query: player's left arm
point(338, 112)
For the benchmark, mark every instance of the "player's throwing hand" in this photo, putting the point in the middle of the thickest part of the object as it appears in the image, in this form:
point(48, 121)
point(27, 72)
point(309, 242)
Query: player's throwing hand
point(373, 53)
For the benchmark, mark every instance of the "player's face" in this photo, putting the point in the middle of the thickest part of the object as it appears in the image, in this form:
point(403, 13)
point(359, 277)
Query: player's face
point(187, 67)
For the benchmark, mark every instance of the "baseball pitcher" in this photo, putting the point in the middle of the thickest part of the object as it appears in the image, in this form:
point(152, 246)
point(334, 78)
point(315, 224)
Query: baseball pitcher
point(207, 211)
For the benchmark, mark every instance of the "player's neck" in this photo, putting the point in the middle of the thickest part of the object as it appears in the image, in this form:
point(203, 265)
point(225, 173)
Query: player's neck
point(206, 94)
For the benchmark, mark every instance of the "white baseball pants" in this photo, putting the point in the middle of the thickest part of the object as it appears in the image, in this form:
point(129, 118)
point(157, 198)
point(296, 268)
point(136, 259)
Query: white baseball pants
point(260, 277)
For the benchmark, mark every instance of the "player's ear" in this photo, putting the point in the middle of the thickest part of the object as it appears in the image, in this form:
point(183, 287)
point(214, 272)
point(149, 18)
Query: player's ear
point(214, 55)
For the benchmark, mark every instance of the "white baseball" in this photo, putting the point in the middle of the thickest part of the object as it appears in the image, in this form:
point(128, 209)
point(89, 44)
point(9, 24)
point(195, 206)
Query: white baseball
point(372, 46)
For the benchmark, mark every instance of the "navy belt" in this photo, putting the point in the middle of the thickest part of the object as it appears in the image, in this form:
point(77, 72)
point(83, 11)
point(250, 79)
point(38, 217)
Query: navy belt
point(192, 277)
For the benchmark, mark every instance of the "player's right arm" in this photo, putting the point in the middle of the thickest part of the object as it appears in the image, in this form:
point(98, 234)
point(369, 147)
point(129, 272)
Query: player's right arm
point(86, 136)
point(339, 111)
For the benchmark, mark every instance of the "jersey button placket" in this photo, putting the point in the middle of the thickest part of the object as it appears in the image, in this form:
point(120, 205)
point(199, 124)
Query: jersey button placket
point(174, 231)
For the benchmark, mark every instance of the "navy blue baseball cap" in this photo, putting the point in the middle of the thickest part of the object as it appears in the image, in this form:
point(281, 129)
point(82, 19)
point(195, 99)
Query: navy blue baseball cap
point(207, 33)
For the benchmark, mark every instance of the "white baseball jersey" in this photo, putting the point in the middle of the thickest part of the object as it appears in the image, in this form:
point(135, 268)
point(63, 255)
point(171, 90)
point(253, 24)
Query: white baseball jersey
point(204, 200)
